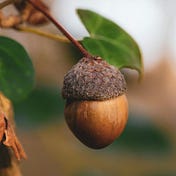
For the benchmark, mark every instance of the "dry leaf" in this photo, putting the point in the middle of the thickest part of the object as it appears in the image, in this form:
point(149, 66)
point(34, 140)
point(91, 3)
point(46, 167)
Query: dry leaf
point(12, 141)
point(2, 126)
point(29, 14)
point(7, 133)
point(9, 21)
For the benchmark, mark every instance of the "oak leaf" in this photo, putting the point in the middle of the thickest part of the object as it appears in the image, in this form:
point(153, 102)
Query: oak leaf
point(7, 132)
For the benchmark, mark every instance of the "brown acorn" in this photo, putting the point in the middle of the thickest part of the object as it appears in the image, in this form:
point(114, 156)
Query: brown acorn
point(96, 108)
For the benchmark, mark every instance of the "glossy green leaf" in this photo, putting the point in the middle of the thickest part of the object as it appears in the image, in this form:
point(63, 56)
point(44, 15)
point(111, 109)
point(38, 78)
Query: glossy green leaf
point(16, 70)
point(110, 41)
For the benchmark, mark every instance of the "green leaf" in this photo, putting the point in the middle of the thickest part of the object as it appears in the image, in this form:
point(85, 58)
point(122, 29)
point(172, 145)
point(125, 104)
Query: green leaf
point(110, 41)
point(16, 70)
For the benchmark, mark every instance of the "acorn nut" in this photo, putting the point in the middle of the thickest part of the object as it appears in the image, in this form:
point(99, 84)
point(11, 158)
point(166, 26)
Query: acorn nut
point(96, 108)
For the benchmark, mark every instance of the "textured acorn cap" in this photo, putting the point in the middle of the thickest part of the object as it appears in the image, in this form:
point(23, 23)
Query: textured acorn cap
point(93, 79)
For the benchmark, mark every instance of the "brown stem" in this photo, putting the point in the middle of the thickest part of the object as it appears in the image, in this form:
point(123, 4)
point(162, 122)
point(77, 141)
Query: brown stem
point(60, 27)
point(41, 33)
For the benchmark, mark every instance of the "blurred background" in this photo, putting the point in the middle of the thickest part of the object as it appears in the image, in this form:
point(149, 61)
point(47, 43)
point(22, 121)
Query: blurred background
point(147, 146)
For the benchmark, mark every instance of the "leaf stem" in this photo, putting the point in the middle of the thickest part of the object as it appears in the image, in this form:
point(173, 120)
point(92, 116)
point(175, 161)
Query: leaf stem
point(61, 28)
point(41, 33)
point(6, 3)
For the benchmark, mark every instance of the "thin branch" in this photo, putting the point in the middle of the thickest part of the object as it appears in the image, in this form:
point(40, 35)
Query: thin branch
point(6, 3)
point(42, 33)
point(61, 28)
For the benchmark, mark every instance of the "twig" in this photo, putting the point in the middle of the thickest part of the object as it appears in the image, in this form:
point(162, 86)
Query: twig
point(41, 33)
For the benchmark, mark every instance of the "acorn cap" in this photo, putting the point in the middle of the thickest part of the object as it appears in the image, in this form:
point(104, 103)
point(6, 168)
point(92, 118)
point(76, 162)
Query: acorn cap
point(93, 79)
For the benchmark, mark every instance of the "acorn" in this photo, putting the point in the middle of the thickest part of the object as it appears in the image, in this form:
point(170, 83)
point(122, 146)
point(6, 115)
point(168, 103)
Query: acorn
point(96, 109)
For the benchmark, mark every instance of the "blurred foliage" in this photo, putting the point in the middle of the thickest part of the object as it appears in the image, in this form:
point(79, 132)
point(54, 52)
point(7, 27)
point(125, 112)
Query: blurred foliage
point(16, 70)
point(142, 136)
point(42, 106)
point(162, 174)
point(110, 41)
point(90, 173)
